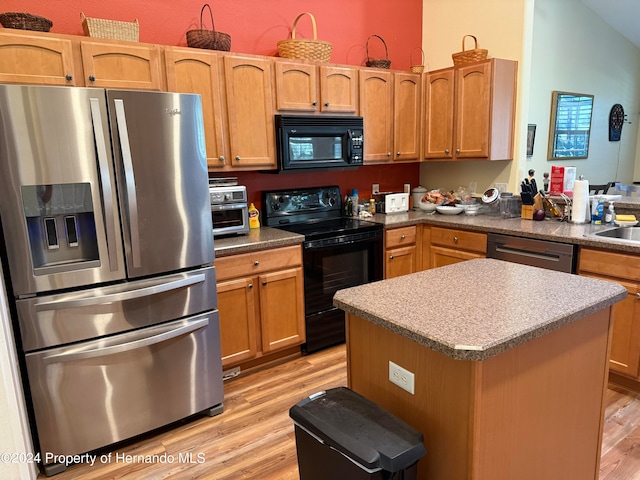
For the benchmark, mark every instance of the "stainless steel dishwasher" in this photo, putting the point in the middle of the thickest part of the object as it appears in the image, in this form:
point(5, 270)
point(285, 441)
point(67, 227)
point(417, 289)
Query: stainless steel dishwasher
point(528, 251)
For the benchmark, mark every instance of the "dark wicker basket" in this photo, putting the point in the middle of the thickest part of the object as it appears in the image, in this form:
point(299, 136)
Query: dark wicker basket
point(25, 21)
point(208, 39)
point(378, 62)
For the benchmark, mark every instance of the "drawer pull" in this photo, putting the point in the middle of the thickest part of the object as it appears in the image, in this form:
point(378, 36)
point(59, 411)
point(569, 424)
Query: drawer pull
point(638, 295)
point(68, 77)
point(402, 237)
point(256, 263)
point(390, 257)
point(455, 239)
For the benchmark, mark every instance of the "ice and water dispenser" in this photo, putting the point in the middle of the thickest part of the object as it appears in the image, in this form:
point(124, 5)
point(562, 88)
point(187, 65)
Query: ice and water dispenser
point(61, 226)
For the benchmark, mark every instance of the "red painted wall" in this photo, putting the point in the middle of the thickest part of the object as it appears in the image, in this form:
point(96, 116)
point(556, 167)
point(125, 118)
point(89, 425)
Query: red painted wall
point(255, 27)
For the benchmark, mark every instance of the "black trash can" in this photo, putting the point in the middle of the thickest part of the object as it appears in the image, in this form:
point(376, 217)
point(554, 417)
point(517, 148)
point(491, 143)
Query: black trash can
point(342, 435)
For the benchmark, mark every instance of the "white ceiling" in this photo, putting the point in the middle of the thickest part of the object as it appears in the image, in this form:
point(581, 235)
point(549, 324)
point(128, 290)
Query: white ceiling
point(623, 15)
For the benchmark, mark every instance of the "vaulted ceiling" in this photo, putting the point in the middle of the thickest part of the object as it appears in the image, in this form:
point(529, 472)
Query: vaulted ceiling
point(623, 15)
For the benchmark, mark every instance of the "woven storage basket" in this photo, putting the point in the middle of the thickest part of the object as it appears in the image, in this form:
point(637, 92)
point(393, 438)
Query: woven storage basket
point(113, 29)
point(417, 68)
point(378, 62)
point(469, 56)
point(305, 49)
point(208, 39)
point(25, 21)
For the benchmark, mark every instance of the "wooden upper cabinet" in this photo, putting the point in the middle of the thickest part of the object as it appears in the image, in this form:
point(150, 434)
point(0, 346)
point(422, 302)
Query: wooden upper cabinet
point(470, 111)
point(112, 64)
point(376, 109)
point(338, 89)
point(36, 60)
point(296, 86)
point(250, 111)
point(407, 98)
point(199, 71)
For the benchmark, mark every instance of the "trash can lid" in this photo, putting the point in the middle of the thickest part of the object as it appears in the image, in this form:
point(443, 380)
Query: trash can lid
point(359, 429)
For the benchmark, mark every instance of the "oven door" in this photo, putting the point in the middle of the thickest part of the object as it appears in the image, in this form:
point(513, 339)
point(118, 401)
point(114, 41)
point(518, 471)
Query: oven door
point(329, 266)
point(230, 219)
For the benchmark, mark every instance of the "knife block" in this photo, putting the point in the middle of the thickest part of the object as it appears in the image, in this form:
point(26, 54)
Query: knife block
point(527, 212)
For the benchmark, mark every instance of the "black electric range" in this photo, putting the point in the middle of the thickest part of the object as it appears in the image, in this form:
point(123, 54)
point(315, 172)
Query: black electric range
point(338, 252)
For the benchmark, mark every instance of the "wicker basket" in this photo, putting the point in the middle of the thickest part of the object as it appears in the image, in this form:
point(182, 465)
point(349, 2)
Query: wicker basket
point(469, 56)
point(113, 29)
point(208, 39)
point(25, 21)
point(417, 68)
point(379, 62)
point(305, 49)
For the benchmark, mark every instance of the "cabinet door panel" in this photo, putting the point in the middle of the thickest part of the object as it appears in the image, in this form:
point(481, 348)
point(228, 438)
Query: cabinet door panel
point(194, 71)
point(250, 111)
point(406, 115)
point(296, 86)
point(338, 89)
point(115, 65)
point(376, 103)
point(446, 256)
point(438, 118)
point(36, 60)
point(282, 309)
point(237, 320)
point(473, 114)
point(400, 261)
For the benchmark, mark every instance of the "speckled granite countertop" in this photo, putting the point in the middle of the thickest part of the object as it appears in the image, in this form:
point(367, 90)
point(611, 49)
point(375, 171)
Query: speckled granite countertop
point(466, 323)
point(257, 239)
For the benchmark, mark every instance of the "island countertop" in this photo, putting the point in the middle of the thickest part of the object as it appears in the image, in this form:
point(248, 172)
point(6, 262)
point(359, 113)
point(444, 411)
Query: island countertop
point(476, 309)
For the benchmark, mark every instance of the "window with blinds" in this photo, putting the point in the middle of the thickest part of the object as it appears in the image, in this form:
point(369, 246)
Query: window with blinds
point(571, 122)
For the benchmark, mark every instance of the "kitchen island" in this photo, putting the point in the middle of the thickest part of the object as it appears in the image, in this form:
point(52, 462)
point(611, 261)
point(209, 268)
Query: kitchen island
point(509, 362)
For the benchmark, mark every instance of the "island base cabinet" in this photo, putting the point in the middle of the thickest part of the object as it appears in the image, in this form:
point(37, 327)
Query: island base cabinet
point(533, 412)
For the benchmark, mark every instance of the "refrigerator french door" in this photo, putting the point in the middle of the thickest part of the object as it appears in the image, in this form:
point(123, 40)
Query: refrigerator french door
point(105, 214)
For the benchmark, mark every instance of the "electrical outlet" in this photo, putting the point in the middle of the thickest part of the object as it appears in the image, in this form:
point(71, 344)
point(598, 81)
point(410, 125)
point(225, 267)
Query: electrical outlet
point(401, 377)
point(375, 188)
point(502, 187)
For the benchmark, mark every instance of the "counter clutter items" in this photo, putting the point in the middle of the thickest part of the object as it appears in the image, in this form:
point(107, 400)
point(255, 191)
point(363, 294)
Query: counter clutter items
point(480, 367)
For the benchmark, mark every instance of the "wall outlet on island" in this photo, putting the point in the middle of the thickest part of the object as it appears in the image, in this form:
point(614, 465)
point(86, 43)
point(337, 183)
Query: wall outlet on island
point(502, 187)
point(401, 377)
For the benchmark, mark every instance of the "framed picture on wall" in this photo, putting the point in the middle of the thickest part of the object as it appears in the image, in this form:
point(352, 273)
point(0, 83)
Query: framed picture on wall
point(531, 136)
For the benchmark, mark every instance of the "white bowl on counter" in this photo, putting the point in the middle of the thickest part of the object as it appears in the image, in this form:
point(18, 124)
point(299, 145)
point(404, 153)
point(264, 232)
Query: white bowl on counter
point(449, 209)
point(427, 207)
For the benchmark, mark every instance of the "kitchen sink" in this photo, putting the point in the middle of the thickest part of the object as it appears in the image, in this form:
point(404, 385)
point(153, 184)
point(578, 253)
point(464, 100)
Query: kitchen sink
point(621, 233)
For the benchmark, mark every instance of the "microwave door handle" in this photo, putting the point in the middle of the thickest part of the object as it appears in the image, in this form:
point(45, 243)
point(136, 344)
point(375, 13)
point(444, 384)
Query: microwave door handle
point(120, 296)
point(349, 143)
point(105, 180)
point(72, 355)
point(129, 180)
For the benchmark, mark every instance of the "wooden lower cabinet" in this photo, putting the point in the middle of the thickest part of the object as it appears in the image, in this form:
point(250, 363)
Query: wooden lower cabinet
point(450, 246)
point(625, 340)
point(401, 252)
point(261, 303)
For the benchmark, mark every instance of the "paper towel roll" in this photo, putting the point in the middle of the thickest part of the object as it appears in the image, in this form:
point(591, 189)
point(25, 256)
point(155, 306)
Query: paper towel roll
point(580, 206)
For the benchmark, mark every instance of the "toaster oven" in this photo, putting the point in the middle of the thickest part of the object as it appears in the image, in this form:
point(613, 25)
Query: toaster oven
point(229, 209)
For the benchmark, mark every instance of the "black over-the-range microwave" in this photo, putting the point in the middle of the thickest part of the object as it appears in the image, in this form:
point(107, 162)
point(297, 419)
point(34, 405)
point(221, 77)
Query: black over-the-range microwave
point(316, 141)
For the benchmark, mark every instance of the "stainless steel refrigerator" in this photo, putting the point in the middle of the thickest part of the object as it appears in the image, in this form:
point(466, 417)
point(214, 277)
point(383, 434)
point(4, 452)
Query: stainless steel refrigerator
point(106, 220)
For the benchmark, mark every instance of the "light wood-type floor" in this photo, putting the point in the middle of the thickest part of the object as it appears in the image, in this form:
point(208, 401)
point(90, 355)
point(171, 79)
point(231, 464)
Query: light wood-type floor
point(253, 438)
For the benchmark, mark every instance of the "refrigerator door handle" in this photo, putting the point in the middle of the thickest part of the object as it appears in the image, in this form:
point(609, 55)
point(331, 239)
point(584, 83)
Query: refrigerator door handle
point(120, 296)
point(74, 355)
point(130, 180)
point(105, 180)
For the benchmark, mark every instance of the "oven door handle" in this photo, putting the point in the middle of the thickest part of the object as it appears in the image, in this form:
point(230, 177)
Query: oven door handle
point(228, 206)
point(89, 352)
point(120, 296)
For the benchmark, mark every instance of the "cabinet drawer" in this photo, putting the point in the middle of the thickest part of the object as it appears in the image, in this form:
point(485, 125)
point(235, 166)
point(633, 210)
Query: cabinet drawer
point(611, 264)
point(398, 237)
point(459, 239)
point(246, 264)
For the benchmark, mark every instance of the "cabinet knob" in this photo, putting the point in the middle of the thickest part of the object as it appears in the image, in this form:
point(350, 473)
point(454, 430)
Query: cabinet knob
point(315, 104)
point(455, 239)
point(264, 283)
point(256, 263)
point(638, 295)
point(390, 257)
point(398, 154)
point(250, 286)
point(326, 104)
point(68, 77)
point(221, 158)
point(446, 150)
point(92, 78)
point(402, 237)
point(237, 158)
point(457, 150)
point(388, 154)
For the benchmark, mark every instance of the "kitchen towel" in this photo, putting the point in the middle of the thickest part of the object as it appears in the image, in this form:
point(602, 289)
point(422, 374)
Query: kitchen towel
point(580, 207)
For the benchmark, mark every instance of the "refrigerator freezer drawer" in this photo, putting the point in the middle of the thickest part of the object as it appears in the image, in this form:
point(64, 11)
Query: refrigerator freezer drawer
point(96, 393)
point(54, 320)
